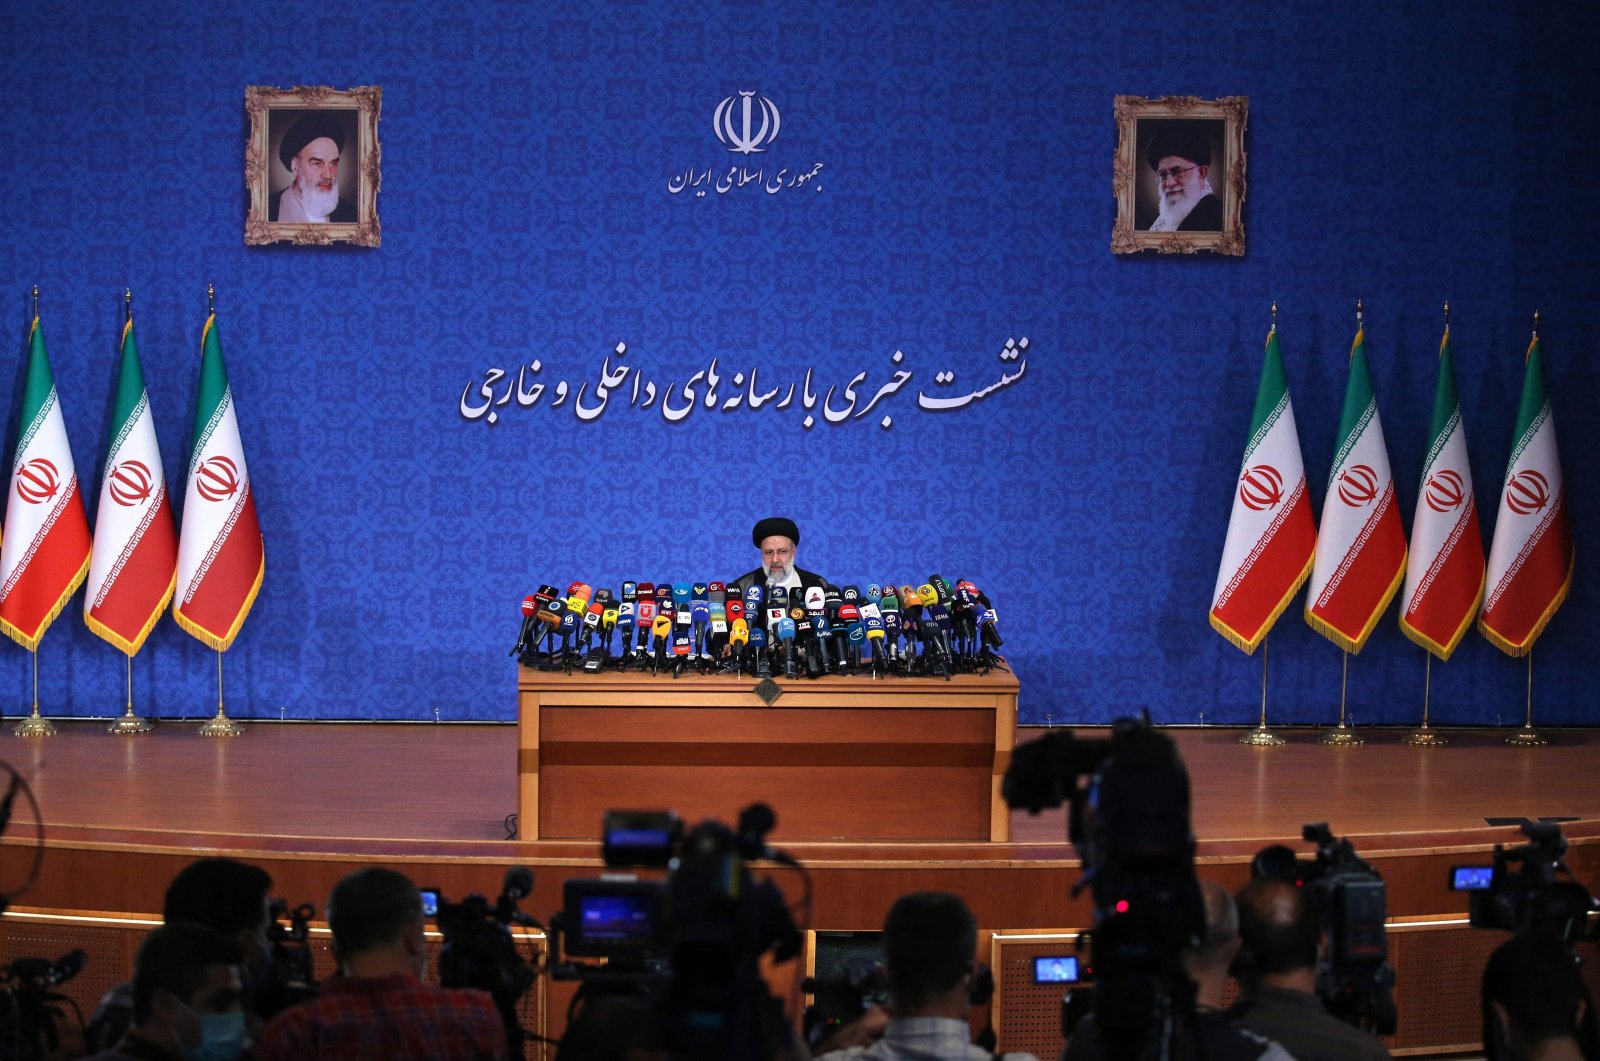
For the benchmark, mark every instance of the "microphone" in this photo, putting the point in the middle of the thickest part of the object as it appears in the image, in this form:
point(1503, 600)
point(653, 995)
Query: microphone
point(662, 631)
point(738, 637)
point(889, 607)
point(777, 605)
point(758, 645)
point(645, 622)
point(803, 634)
point(700, 615)
point(927, 594)
point(627, 614)
point(682, 650)
point(569, 627)
point(933, 652)
point(941, 586)
point(680, 595)
point(849, 626)
point(824, 631)
point(591, 621)
point(872, 621)
point(786, 635)
point(530, 611)
point(816, 598)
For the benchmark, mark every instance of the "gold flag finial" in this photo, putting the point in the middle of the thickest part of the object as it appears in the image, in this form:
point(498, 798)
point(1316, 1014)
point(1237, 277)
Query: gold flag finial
point(1274, 314)
point(127, 304)
point(1535, 323)
point(1360, 310)
point(35, 300)
point(211, 300)
point(1447, 313)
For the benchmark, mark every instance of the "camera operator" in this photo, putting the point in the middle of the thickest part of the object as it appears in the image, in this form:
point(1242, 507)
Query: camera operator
point(1207, 965)
point(186, 998)
point(1535, 1004)
point(379, 1006)
point(1281, 929)
point(930, 940)
point(224, 895)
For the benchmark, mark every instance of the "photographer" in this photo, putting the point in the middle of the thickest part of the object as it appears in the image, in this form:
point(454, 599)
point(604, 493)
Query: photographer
point(224, 895)
point(1281, 930)
point(1535, 1004)
point(379, 1006)
point(931, 942)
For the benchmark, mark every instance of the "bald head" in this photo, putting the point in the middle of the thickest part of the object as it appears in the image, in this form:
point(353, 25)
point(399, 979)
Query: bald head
point(1280, 927)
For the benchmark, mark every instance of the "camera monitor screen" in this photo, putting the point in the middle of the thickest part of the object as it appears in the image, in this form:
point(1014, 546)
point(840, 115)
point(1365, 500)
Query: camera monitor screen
point(1470, 878)
point(1055, 969)
point(430, 902)
point(611, 918)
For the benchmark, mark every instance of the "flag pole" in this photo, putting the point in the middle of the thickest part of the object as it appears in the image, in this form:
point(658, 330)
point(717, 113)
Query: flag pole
point(129, 723)
point(1343, 736)
point(221, 725)
point(35, 725)
point(1528, 736)
point(1261, 737)
point(1424, 737)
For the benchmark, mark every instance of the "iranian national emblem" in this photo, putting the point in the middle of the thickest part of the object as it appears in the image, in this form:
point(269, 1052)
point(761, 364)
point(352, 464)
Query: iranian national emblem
point(1527, 492)
point(1358, 486)
point(130, 483)
point(1261, 487)
point(217, 479)
point(735, 123)
point(1445, 491)
point(37, 481)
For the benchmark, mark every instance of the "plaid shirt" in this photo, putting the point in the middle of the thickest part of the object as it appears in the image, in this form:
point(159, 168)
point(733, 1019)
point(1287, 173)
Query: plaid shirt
point(396, 1018)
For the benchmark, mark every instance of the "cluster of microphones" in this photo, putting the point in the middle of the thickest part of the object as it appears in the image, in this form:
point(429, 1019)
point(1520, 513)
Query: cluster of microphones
point(935, 629)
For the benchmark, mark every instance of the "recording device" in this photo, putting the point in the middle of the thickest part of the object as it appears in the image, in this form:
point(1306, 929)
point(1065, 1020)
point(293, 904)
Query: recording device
point(291, 974)
point(691, 945)
point(786, 635)
point(1522, 891)
point(1130, 826)
point(758, 649)
point(479, 950)
point(1355, 980)
point(842, 998)
point(1055, 969)
point(31, 1008)
point(530, 608)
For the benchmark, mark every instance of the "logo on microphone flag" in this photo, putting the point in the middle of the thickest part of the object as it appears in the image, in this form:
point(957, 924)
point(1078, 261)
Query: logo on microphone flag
point(1361, 545)
point(1444, 569)
point(45, 551)
point(1530, 561)
point(136, 559)
point(1271, 535)
point(221, 558)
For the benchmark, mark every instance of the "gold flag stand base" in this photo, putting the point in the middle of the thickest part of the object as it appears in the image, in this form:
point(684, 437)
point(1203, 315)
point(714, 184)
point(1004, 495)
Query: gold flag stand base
point(1527, 737)
point(221, 725)
point(35, 725)
point(129, 723)
point(1262, 737)
point(1424, 738)
point(1340, 737)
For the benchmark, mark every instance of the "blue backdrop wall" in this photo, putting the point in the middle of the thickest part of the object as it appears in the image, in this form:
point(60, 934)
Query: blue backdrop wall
point(1403, 154)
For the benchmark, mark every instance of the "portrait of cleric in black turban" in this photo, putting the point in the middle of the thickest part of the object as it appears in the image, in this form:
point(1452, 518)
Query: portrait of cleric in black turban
point(1180, 175)
point(314, 166)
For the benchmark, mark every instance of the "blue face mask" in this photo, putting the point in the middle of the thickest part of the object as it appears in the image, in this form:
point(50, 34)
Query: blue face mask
point(222, 1037)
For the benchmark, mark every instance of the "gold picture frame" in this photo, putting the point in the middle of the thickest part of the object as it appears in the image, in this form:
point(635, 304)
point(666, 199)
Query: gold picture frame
point(1187, 224)
point(349, 117)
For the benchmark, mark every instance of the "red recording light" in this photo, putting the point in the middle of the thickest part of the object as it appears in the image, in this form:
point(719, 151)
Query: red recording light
point(1122, 906)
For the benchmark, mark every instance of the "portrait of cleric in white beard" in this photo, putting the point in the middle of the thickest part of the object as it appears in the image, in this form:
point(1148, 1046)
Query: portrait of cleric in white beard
point(1183, 169)
point(321, 185)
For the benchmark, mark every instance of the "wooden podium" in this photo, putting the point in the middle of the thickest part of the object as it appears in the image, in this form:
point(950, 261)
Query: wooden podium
point(836, 758)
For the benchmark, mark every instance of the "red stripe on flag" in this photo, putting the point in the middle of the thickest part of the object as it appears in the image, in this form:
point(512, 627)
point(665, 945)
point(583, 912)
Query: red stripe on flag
point(53, 572)
point(1446, 607)
point(230, 582)
point(1536, 588)
point(142, 586)
point(1282, 563)
point(1370, 580)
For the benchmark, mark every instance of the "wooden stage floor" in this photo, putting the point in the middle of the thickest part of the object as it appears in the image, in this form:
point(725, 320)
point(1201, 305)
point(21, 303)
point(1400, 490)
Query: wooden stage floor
point(311, 800)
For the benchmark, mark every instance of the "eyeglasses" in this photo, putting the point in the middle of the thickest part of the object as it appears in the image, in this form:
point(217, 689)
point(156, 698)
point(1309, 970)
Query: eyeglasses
point(1176, 173)
point(775, 554)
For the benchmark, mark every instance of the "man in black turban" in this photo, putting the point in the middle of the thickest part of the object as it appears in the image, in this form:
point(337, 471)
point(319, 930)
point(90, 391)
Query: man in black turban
point(310, 151)
point(1180, 155)
point(777, 538)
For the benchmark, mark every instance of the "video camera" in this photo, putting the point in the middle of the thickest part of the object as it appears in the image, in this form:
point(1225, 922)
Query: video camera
point(691, 944)
point(292, 978)
point(1355, 980)
point(29, 1009)
point(1520, 892)
point(479, 950)
point(1128, 819)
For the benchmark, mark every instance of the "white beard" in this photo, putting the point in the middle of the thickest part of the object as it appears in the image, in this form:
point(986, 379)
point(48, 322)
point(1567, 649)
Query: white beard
point(318, 204)
point(1175, 209)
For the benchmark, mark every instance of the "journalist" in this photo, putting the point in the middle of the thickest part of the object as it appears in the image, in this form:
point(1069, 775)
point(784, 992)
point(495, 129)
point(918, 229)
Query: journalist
point(1535, 1004)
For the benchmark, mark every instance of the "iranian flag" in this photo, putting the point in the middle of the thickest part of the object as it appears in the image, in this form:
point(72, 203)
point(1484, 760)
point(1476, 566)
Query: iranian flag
point(135, 564)
point(1361, 546)
point(46, 548)
point(1444, 572)
point(1271, 535)
point(220, 554)
point(1530, 562)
